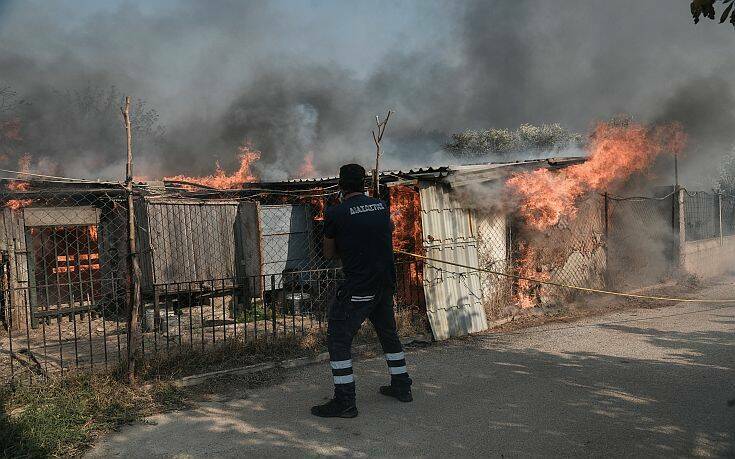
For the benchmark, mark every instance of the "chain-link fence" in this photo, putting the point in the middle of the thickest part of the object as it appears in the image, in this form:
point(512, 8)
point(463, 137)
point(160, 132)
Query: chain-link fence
point(702, 215)
point(493, 252)
point(728, 214)
point(231, 267)
point(708, 215)
point(212, 270)
point(642, 241)
point(64, 287)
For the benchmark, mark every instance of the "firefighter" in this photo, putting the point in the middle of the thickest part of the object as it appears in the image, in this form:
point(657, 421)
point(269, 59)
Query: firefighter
point(358, 231)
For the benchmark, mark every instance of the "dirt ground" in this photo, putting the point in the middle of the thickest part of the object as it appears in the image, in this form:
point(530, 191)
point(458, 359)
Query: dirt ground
point(647, 382)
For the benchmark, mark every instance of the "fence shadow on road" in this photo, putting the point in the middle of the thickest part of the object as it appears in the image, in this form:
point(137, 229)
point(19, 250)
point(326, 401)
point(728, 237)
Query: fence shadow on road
point(481, 396)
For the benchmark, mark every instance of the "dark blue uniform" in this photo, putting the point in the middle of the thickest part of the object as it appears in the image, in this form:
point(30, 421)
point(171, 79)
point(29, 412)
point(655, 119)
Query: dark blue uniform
point(362, 230)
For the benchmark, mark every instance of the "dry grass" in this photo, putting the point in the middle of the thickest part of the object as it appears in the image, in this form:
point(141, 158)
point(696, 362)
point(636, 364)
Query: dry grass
point(229, 354)
point(63, 416)
point(411, 323)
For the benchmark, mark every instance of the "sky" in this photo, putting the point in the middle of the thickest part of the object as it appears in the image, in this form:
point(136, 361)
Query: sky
point(293, 77)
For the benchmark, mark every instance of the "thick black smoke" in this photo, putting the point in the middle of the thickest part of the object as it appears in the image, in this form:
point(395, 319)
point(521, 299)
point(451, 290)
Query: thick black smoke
point(221, 72)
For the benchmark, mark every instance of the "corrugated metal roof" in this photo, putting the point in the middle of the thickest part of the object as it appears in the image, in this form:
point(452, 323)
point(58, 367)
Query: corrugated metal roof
point(438, 171)
point(453, 295)
point(479, 173)
point(452, 170)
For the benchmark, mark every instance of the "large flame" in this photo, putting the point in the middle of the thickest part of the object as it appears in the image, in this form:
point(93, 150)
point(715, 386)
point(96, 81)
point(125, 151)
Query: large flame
point(615, 152)
point(220, 179)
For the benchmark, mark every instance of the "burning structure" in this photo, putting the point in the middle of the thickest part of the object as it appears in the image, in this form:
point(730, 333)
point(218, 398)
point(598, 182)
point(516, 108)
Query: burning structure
point(225, 258)
point(255, 242)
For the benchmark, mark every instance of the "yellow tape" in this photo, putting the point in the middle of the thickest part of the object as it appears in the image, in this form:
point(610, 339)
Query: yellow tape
point(574, 287)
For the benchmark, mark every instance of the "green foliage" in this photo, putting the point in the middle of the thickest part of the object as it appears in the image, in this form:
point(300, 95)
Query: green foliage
point(707, 9)
point(504, 141)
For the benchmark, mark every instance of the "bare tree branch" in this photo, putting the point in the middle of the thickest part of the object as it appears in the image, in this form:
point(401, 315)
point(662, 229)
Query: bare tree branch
point(7, 99)
point(377, 138)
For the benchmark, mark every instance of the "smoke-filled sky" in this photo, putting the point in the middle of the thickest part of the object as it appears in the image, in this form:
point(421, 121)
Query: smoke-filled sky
point(298, 76)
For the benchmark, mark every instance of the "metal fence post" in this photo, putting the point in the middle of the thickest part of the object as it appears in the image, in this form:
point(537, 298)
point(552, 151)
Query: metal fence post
point(719, 215)
point(274, 297)
point(606, 246)
point(681, 218)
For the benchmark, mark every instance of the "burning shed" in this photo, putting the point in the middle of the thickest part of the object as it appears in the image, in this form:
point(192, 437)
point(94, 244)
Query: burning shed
point(468, 226)
point(460, 218)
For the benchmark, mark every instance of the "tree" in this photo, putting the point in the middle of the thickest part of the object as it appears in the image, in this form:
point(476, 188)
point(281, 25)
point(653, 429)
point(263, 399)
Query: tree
point(726, 181)
point(8, 99)
point(502, 142)
point(707, 9)
point(73, 132)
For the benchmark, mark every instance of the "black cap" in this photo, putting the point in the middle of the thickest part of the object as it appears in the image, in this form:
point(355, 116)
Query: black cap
point(352, 177)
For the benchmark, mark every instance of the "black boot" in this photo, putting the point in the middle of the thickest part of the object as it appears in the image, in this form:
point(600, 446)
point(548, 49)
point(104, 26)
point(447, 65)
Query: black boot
point(335, 409)
point(402, 394)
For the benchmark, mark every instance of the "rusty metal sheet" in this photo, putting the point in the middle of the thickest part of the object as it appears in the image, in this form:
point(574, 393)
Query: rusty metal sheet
point(453, 295)
point(187, 241)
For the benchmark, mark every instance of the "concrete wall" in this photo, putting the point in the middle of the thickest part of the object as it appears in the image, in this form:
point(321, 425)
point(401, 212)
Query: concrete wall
point(709, 257)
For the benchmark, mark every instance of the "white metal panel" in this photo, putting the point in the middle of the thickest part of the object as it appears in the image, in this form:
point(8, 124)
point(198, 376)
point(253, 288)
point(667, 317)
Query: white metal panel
point(453, 295)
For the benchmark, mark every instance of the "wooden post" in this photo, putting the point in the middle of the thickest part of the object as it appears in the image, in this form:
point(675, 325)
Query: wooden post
point(133, 329)
point(377, 138)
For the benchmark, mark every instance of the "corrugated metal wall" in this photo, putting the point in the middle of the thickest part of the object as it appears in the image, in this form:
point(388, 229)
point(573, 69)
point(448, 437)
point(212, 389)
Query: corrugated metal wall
point(454, 300)
point(186, 241)
point(286, 232)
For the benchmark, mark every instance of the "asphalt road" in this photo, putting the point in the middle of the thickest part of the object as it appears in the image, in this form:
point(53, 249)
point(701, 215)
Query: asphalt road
point(646, 383)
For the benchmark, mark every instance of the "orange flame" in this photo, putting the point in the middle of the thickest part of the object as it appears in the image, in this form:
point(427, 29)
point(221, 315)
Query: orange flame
point(317, 203)
point(405, 214)
point(92, 232)
point(220, 179)
point(615, 153)
point(24, 166)
point(528, 292)
point(307, 169)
